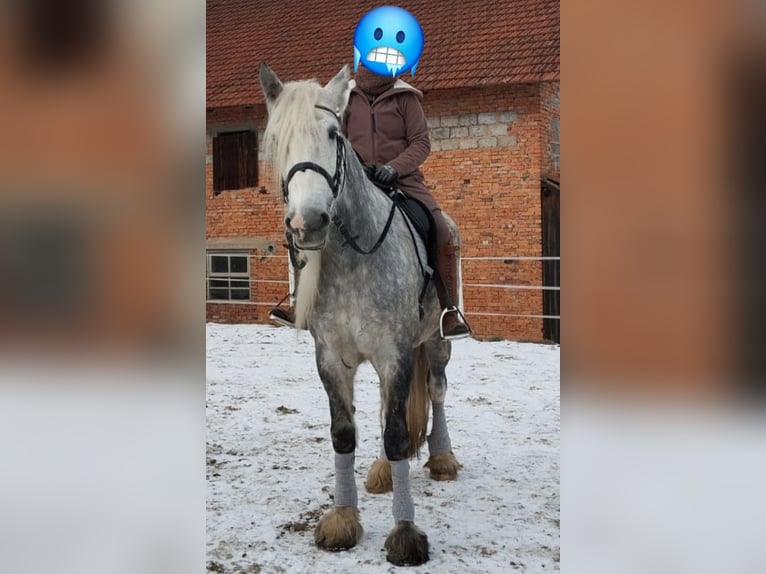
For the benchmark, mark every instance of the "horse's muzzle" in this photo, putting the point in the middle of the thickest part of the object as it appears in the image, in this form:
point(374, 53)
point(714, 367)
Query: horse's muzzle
point(308, 228)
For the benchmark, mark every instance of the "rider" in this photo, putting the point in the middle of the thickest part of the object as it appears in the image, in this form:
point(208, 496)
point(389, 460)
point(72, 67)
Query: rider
point(387, 127)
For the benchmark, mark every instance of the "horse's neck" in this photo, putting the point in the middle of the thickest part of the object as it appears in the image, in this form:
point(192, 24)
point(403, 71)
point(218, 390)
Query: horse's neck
point(361, 206)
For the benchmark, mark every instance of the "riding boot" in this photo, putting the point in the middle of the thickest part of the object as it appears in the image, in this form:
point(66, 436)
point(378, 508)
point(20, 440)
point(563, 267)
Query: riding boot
point(452, 325)
point(284, 317)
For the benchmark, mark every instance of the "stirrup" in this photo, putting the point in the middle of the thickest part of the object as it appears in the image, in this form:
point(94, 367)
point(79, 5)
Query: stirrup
point(453, 309)
point(276, 316)
point(279, 316)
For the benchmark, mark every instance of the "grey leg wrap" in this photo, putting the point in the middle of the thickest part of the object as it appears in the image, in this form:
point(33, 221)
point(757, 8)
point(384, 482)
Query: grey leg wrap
point(438, 440)
point(345, 485)
point(404, 508)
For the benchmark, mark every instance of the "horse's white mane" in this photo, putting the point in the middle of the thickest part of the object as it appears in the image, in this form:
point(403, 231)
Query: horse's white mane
point(291, 119)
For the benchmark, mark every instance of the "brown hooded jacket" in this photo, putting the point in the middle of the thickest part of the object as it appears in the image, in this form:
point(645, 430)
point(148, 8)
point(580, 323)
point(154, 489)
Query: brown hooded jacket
point(392, 130)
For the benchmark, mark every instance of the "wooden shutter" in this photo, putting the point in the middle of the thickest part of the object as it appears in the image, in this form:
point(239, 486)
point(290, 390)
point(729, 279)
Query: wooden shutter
point(235, 160)
point(247, 152)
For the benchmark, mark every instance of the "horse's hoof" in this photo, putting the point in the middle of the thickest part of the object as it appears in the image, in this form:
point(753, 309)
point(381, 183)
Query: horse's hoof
point(339, 529)
point(443, 466)
point(406, 545)
point(379, 478)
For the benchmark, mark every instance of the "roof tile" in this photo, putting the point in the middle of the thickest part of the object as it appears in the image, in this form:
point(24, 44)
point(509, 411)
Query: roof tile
point(481, 42)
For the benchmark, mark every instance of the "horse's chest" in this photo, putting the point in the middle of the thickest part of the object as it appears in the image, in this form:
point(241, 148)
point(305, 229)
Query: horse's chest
point(359, 333)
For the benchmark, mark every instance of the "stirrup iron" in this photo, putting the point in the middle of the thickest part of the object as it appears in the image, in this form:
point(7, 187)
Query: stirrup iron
point(281, 321)
point(453, 309)
point(276, 318)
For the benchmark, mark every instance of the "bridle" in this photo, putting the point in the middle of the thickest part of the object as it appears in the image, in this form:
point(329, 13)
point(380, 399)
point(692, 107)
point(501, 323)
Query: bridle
point(337, 181)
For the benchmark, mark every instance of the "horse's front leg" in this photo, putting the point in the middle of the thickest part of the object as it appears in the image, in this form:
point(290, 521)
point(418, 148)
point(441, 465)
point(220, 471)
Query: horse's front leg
point(339, 528)
point(406, 544)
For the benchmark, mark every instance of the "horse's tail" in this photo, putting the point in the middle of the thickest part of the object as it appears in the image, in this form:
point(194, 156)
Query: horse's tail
point(418, 401)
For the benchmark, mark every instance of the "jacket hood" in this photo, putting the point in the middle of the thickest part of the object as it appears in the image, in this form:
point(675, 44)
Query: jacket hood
point(399, 86)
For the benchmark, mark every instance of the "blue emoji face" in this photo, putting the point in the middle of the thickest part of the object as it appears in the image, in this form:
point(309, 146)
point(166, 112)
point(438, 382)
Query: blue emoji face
point(388, 41)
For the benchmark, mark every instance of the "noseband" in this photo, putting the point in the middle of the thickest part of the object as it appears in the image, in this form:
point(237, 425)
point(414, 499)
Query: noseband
point(333, 181)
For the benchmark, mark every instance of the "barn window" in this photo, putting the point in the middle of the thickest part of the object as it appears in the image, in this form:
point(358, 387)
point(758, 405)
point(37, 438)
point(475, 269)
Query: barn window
point(228, 277)
point(235, 160)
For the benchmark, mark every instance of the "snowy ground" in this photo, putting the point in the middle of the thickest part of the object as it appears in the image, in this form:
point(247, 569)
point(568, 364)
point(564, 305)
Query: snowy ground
point(269, 460)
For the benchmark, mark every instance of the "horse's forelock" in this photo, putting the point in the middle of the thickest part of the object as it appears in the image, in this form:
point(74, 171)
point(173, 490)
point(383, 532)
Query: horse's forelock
point(291, 119)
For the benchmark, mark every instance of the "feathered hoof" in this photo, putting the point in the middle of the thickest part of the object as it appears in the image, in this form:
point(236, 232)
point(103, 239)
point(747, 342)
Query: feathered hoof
point(339, 529)
point(379, 478)
point(443, 466)
point(406, 545)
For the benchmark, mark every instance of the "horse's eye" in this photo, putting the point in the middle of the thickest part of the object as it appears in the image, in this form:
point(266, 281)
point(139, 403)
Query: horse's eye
point(333, 132)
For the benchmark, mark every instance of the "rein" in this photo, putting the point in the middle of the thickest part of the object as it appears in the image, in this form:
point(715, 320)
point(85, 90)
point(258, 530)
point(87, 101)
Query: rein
point(351, 239)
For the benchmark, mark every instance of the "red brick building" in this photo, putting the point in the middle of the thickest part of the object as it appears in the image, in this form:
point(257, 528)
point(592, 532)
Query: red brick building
point(490, 77)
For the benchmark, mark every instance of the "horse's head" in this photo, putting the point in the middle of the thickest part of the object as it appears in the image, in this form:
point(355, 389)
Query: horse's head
point(303, 140)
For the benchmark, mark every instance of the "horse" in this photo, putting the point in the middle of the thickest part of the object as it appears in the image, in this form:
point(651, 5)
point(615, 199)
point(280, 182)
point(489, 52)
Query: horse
point(359, 305)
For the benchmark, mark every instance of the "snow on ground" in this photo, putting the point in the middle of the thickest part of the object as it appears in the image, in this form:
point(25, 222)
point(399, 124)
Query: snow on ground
point(270, 462)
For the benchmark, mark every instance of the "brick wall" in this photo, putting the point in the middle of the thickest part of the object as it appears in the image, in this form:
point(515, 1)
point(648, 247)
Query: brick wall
point(255, 212)
point(485, 171)
point(485, 168)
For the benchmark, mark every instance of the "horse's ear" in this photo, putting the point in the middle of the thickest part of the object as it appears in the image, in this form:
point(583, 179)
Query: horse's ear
point(270, 84)
point(338, 89)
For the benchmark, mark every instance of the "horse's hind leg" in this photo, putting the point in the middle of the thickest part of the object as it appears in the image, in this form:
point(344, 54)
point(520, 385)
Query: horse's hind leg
point(441, 461)
point(339, 528)
point(379, 479)
point(406, 544)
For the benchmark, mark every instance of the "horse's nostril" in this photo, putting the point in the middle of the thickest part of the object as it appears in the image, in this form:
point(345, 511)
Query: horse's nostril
point(324, 219)
point(287, 223)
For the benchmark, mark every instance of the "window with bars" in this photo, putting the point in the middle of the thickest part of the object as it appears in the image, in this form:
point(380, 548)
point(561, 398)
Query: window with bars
point(228, 277)
point(235, 160)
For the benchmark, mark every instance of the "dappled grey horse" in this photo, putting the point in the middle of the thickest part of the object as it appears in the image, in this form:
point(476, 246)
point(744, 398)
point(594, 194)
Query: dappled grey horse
point(359, 307)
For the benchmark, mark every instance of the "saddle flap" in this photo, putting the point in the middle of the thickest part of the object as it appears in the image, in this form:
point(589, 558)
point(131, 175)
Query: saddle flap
point(420, 217)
